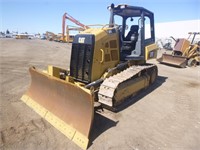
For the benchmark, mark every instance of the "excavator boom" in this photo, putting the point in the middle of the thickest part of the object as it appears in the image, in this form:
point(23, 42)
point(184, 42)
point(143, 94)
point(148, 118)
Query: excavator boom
point(72, 19)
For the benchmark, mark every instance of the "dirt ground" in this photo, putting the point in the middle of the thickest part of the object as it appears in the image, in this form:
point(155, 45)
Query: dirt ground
point(166, 116)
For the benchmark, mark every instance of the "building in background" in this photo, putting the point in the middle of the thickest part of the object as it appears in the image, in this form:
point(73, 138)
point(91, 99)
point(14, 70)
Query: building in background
point(178, 29)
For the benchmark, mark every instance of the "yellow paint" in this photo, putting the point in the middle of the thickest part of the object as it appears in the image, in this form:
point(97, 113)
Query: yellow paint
point(69, 79)
point(34, 105)
point(60, 125)
point(151, 51)
point(24, 98)
point(78, 138)
point(54, 71)
point(45, 71)
point(132, 87)
point(103, 47)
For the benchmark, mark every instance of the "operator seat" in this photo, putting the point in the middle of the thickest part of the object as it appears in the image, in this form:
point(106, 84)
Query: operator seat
point(133, 33)
point(129, 43)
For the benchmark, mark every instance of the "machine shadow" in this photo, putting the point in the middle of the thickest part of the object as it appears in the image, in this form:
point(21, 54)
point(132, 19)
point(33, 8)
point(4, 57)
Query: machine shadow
point(173, 66)
point(100, 125)
point(159, 81)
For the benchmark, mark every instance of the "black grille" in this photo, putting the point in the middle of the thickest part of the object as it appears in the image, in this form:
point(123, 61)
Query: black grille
point(81, 61)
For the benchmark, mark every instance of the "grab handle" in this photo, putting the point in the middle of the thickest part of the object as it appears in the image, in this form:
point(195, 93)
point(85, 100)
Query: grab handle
point(102, 56)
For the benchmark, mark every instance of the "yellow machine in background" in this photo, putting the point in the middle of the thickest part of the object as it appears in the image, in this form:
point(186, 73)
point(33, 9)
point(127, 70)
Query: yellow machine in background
point(185, 53)
point(66, 36)
point(70, 37)
point(22, 36)
point(108, 65)
point(50, 36)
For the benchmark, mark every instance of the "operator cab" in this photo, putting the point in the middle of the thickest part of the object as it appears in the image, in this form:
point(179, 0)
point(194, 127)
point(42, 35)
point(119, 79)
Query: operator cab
point(136, 30)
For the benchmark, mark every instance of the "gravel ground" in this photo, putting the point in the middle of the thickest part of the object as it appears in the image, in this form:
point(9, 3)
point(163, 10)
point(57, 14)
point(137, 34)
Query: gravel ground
point(165, 116)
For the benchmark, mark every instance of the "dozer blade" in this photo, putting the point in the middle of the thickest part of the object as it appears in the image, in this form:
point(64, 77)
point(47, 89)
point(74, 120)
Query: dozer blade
point(66, 106)
point(177, 61)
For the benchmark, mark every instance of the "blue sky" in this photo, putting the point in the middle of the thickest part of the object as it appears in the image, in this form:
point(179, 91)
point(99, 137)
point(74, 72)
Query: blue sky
point(35, 16)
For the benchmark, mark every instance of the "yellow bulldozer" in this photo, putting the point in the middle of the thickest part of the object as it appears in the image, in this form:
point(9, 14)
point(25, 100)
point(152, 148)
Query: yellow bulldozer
point(108, 65)
point(185, 53)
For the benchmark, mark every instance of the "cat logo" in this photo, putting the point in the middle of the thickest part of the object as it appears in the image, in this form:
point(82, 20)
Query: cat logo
point(81, 40)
